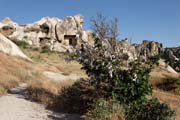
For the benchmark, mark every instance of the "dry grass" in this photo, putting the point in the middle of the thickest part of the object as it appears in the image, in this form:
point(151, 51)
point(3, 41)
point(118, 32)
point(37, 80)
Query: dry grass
point(169, 98)
point(13, 71)
point(54, 62)
point(159, 75)
point(43, 89)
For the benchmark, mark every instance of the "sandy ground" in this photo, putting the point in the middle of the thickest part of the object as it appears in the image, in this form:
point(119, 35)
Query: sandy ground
point(14, 106)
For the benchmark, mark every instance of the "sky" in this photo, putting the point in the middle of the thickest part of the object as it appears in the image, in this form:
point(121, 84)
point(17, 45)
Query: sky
point(139, 20)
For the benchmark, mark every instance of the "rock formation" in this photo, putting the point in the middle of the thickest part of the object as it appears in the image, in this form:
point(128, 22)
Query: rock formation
point(143, 51)
point(7, 46)
point(68, 35)
point(148, 49)
point(58, 35)
point(172, 56)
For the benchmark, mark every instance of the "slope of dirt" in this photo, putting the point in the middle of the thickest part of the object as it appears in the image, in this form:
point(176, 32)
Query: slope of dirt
point(159, 75)
point(162, 72)
point(15, 71)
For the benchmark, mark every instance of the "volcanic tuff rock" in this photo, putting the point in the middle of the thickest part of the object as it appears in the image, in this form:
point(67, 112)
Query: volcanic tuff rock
point(173, 53)
point(58, 35)
point(7, 46)
point(172, 56)
point(68, 35)
point(143, 51)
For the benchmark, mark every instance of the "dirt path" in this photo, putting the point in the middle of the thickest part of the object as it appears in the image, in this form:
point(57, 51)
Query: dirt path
point(15, 107)
point(61, 77)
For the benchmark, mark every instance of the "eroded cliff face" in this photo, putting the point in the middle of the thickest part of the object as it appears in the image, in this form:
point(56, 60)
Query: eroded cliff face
point(143, 51)
point(68, 35)
point(172, 53)
point(149, 48)
point(172, 56)
point(58, 35)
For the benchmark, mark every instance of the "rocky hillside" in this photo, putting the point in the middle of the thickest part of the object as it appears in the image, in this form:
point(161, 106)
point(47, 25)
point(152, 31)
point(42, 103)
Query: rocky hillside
point(143, 51)
point(54, 33)
point(50, 72)
point(68, 35)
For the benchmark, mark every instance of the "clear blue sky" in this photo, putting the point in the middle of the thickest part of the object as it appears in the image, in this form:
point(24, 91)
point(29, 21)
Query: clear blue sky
point(138, 19)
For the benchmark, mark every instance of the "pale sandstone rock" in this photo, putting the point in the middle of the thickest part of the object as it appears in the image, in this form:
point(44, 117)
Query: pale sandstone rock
point(7, 46)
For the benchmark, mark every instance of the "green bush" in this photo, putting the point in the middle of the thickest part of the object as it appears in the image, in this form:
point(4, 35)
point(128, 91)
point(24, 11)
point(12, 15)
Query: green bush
point(170, 85)
point(110, 80)
point(45, 49)
point(151, 110)
point(35, 49)
point(106, 110)
point(22, 44)
point(76, 98)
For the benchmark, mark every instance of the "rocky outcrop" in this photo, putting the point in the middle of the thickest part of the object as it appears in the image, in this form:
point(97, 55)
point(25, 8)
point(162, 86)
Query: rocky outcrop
point(7, 26)
point(58, 35)
point(68, 35)
point(143, 51)
point(148, 49)
point(172, 56)
point(172, 53)
point(7, 46)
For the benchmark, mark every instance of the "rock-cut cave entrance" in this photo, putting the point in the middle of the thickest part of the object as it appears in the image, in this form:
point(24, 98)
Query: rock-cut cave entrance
point(71, 39)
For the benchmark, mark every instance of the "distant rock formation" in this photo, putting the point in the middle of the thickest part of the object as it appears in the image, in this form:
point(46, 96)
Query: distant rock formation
point(149, 48)
point(58, 35)
point(172, 53)
point(142, 51)
point(172, 56)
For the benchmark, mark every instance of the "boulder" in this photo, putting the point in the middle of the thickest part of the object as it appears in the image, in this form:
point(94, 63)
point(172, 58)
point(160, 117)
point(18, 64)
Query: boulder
point(8, 47)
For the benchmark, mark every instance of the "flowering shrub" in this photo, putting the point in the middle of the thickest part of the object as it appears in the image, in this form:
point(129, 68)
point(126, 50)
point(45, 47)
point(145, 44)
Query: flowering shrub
point(104, 68)
point(111, 81)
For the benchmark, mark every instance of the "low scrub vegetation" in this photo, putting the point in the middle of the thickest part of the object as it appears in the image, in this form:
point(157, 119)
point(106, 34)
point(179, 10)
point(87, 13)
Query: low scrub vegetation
point(150, 110)
point(79, 96)
point(105, 110)
point(22, 44)
point(171, 85)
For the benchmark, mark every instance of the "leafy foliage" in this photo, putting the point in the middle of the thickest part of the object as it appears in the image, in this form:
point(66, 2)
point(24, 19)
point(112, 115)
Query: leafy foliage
point(45, 49)
point(109, 79)
point(79, 96)
point(106, 110)
point(22, 44)
point(171, 85)
point(151, 110)
point(154, 59)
